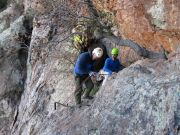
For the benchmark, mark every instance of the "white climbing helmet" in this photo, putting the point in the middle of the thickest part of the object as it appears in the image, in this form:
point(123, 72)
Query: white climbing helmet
point(98, 52)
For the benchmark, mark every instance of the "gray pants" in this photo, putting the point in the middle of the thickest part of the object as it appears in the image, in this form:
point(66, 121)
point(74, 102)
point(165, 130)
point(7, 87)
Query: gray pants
point(79, 80)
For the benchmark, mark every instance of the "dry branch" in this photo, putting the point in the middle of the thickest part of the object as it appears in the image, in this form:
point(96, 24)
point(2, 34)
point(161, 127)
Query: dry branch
point(125, 42)
point(136, 47)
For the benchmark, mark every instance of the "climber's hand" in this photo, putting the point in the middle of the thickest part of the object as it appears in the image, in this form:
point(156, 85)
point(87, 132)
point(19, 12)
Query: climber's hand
point(93, 74)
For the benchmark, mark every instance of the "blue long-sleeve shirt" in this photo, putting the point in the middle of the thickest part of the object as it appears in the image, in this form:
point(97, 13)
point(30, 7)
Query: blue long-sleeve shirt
point(84, 64)
point(112, 66)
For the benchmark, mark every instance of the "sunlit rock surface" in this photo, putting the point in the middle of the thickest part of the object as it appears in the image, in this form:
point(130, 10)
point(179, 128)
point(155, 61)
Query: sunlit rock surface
point(143, 99)
point(150, 23)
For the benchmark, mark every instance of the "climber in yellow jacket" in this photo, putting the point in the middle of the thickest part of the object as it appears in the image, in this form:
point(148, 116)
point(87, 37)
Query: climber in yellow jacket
point(80, 38)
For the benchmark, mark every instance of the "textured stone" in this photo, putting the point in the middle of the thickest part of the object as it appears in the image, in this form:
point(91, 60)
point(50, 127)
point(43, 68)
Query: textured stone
point(150, 23)
point(142, 99)
point(12, 65)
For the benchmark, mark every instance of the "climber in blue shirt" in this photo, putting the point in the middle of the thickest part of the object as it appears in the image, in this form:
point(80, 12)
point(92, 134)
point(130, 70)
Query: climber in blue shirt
point(113, 65)
point(83, 68)
point(84, 64)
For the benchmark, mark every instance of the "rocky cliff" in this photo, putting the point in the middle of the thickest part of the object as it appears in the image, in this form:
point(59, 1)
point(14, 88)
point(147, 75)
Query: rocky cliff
point(37, 60)
point(149, 22)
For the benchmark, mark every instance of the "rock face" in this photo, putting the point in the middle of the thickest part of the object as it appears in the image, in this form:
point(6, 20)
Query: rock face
point(150, 23)
point(13, 57)
point(142, 99)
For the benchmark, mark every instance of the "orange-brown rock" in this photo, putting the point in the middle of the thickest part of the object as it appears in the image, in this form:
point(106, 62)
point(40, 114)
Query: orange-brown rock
point(150, 23)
